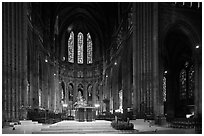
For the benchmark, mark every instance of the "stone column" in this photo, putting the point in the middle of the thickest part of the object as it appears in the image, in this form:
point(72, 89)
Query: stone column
point(4, 51)
point(13, 89)
point(24, 58)
point(55, 88)
point(115, 88)
point(48, 86)
point(10, 62)
point(145, 63)
point(94, 93)
point(107, 91)
point(43, 82)
point(18, 62)
point(111, 89)
point(75, 91)
point(147, 57)
point(85, 91)
point(67, 91)
point(156, 98)
point(126, 80)
point(52, 77)
point(14, 62)
point(134, 55)
point(198, 90)
point(12, 47)
point(7, 58)
point(139, 56)
point(20, 56)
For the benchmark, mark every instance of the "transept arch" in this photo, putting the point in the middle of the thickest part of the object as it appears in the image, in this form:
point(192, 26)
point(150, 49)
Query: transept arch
point(178, 52)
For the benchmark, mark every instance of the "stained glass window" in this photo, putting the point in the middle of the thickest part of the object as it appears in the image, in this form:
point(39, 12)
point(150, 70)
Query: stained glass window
point(164, 89)
point(39, 95)
point(183, 84)
point(89, 49)
point(80, 48)
point(191, 83)
point(121, 100)
point(71, 48)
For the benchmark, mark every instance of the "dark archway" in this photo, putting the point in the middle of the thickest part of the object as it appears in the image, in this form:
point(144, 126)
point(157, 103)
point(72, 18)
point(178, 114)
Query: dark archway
point(80, 90)
point(71, 91)
point(63, 91)
point(89, 94)
point(178, 66)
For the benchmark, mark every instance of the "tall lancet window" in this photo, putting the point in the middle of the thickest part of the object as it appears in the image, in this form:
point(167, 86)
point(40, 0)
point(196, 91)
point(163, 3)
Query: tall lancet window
point(71, 48)
point(80, 48)
point(183, 84)
point(191, 84)
point(89, 49)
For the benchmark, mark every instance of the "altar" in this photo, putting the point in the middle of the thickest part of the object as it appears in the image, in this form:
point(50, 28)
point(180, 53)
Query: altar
point(82, 111)
point(85, 114)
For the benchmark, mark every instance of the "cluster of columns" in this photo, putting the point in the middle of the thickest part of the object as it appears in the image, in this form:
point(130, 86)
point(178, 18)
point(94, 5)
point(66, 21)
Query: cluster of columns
point(14, 51)
point(145, 59)
point(42, 73)
point(139, 84)
point(26, 74)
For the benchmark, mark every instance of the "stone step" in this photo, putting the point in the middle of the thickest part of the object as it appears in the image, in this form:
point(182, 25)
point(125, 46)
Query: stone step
point(30, 125)
point(87, 132)
point(104, 126)
point(27, 122)
point(72, 127)
point(80, 125)
point(60, 129)
point(35, 122)
point(141, 121)
point(76, 131)
point(83, 127)
point(76, 128)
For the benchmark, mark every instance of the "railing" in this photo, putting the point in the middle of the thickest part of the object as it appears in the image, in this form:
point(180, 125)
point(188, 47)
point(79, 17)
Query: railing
point(191, 5)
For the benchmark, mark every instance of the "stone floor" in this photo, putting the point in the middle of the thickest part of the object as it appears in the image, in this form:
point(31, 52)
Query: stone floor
point(96, 127)
point(149, 128)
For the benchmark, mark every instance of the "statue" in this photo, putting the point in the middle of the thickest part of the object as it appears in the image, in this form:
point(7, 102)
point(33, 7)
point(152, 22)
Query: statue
point(81, 102)
point(79, 97)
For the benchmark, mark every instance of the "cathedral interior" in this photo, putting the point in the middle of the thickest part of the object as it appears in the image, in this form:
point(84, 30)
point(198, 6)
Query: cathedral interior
point(139, 59)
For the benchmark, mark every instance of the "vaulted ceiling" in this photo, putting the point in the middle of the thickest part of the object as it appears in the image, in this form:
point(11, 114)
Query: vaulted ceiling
point(97, 18)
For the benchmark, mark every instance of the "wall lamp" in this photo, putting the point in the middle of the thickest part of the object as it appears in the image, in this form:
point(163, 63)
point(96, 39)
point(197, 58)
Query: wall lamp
point(97, 105)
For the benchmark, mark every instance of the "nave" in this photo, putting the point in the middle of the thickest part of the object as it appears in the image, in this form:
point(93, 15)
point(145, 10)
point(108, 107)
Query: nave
point(87, 61)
